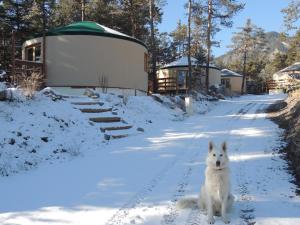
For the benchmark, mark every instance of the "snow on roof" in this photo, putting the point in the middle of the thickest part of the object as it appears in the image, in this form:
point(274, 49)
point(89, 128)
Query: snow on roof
point(229, 73)
point(294, 67)
point(183, 62)
point(90, 28)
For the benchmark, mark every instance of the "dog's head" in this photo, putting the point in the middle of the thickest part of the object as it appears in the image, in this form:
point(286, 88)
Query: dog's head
point(217, 157)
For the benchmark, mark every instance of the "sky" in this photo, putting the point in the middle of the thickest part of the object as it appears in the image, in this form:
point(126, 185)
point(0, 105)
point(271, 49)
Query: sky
point(263, 13)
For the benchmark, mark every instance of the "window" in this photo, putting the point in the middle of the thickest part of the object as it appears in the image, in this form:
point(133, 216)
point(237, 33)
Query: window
point(182, 75)
point(29, 54)
point(226, 82)
point(38, 51)
point(146, 62)
point(33, 52)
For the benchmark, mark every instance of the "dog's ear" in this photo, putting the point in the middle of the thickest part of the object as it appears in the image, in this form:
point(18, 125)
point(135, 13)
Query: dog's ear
point(210, 146)
point(224, 146)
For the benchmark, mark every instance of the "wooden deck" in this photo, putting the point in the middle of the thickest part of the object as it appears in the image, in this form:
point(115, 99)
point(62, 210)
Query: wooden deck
point(169, 86)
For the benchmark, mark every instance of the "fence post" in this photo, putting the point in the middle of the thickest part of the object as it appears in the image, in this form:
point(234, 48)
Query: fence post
point(176, 80)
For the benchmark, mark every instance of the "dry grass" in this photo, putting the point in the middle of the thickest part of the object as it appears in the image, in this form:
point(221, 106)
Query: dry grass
point(31, 84)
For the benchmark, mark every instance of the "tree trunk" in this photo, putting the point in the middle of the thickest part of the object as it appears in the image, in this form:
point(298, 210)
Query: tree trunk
point(132, 21)
point(13, 49)
point(208, 43)
point(153, 47)
point(189, 50)
point(44, 41)
point(244, 71)
point(82, 10)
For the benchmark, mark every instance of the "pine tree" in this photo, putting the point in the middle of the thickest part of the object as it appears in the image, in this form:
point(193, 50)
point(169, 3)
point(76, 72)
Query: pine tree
point(66, 12)
point(278, 63)
point(166, 50)
point(217, 13)
point(291, 15)
point(136, 12)
point(106, 12)
point(250, 40)
point(294, 50)
point(179, 36)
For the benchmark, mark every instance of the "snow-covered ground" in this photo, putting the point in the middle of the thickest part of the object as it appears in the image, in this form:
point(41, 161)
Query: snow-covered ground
point(41, 130)
point(138, 180)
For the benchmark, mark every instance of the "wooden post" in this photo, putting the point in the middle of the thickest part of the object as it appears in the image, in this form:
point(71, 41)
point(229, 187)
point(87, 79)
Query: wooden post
point(176, 80)
point(44, 69)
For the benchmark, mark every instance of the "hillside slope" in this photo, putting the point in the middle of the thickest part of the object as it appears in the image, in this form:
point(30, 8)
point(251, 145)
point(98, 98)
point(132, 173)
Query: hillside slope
point(273, 46)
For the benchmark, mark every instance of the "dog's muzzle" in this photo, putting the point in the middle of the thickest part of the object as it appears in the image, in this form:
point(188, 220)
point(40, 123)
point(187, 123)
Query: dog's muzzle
point(218, 163)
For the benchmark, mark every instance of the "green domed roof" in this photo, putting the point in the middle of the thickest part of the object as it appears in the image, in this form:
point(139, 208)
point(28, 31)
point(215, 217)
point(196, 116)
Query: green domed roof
point(90, 28)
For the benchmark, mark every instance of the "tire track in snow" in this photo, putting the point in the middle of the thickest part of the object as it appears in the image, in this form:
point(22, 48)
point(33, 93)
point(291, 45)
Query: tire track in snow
point(173, 213)
point(247, 210)
point(119, 217)
point(124, 212)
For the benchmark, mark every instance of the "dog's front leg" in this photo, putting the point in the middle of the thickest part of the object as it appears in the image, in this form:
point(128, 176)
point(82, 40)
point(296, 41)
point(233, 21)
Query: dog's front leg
point(210, 211)
point(223, 211)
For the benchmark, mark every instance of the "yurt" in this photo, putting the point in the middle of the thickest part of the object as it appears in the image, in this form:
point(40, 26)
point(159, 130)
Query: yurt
point(89, 55)
point(289, 73)
point(232, 82)
point(178, 70)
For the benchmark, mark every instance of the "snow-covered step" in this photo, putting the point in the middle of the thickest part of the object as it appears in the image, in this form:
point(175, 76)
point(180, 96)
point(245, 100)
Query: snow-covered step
point(105, 119)
point(90, 110)
point(87, 103)
point(110, 137)
point(104, 129)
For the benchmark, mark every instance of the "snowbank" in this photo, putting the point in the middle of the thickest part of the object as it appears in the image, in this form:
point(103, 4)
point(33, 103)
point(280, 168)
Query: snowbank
point(48, 128)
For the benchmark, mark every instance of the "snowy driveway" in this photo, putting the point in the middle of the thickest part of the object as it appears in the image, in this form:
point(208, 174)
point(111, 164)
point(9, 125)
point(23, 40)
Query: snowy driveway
point(138, 180)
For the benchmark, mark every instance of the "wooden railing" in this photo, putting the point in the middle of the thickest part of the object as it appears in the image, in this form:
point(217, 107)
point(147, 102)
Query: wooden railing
point(23, 69)
point(285, 85)
point(165, 85)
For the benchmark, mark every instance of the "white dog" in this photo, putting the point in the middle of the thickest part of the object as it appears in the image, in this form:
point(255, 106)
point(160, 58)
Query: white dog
point(215, 196)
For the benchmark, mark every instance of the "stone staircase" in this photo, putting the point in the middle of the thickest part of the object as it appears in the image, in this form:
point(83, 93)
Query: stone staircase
point(111, 125)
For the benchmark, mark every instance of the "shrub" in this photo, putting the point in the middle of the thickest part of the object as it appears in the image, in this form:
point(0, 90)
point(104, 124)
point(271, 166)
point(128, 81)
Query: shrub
point(31, 84)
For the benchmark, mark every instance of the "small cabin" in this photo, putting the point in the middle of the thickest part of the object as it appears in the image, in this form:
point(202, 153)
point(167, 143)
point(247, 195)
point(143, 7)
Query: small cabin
point(232, 82)
point(288, 74)
point(173, 76)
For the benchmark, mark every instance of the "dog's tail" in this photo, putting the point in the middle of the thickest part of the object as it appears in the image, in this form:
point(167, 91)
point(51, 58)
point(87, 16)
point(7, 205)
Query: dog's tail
point(187, 203)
